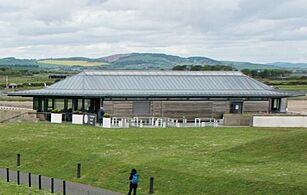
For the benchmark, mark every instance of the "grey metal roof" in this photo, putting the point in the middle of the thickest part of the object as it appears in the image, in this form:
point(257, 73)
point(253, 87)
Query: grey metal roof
point(157, 84)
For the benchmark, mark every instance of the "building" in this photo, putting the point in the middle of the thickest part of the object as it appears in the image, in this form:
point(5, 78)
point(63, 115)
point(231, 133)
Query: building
point(12, 86)
point(58, 76)
point(173, 94)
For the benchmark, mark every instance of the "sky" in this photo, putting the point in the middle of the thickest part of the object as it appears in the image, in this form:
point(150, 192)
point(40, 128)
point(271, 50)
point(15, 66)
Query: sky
point(260, 31)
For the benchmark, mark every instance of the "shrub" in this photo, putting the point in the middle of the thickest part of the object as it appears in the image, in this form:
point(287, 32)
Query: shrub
point(57, 111)
point(107, 115)
point(77, 112)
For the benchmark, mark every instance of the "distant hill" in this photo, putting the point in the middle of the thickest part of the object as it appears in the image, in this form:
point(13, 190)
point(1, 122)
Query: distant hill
point(77, 59)
point(11, 61)
point(248, 65)
point(289, 65)
point(154, 61)
point(113, 58)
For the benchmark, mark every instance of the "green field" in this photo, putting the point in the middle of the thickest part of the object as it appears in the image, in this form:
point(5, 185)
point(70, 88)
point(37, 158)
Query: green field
point(288, 84)
point(71, 62)
point(182, 160)
point(14, 98)
point(293, 87)
point(12, 188)
point(36, 80)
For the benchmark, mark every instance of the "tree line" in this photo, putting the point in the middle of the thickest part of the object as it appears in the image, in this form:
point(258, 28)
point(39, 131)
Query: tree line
point(266, 73)
point(204, 68)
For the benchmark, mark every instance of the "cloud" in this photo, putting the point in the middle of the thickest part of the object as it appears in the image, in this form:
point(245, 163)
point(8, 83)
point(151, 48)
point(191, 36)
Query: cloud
point(259, 31)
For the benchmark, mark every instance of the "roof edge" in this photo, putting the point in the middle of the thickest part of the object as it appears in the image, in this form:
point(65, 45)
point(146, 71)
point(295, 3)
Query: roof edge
point(158, 73)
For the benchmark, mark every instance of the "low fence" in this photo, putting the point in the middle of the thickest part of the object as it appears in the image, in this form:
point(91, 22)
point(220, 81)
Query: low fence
point(19, 114)
point(141, 122)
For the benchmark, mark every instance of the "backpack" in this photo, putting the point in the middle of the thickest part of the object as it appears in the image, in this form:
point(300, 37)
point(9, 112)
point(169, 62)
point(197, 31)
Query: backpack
point(135, 179)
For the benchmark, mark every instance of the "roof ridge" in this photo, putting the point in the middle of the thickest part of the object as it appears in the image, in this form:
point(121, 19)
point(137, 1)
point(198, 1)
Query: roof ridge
point(158, 73)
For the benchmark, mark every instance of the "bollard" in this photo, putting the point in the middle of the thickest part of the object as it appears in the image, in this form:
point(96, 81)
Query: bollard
point(52, 185)
point(151, 185)
point(7, 174)
point(39, 182)
point(78, 170)
point(18, 160)
point(64, 187)
point(29, 178)
point(18, 177)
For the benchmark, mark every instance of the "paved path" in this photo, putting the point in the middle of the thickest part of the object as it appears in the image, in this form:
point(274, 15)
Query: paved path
point(71, 187)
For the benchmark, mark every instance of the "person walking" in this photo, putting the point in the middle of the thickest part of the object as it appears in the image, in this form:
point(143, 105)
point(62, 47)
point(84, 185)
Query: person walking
point(134, 180)
point(100, 116)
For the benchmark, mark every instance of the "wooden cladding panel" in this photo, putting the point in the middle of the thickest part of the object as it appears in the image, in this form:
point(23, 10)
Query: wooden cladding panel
point(156, 108)
point(122, 108)
point(192, 109)
point(108, 107)
point(118, 108)
point(256, 106)
point(219, 108)
point(187, 109)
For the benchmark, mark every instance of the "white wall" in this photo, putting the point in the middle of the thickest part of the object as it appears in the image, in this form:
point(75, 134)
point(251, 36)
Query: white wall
point(280, 121)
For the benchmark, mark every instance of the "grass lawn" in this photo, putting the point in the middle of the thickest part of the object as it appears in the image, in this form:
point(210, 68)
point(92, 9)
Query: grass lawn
point(183, 161)
point(12, 188)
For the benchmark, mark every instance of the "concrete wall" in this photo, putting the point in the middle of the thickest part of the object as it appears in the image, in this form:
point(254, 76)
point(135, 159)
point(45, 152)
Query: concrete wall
point(237, 119)
point(280, 121)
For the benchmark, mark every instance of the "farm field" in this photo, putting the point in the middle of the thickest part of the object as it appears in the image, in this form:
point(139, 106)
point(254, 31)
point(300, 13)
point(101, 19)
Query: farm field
point(182, 160)
point(290, 84)
point(37, 81)
point(71, 62)
point(293, 87)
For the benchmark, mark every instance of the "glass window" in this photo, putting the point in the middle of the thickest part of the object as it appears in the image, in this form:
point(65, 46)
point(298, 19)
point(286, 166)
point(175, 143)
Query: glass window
point(141, 108)
point(59, 104)
point(87, 104)
point(69, 105)
point(79, 104)
point(35, 103)
point(275, 104)
point(236, 107)
point(40, 105)
point(49, 104)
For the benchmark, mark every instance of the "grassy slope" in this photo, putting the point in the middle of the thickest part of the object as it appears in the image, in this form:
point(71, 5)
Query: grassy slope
point(12, 188)
point(183, 161)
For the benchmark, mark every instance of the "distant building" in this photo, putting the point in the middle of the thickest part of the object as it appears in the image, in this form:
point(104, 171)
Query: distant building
point(12, 86)
point(58, 76)
point(160, 94)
